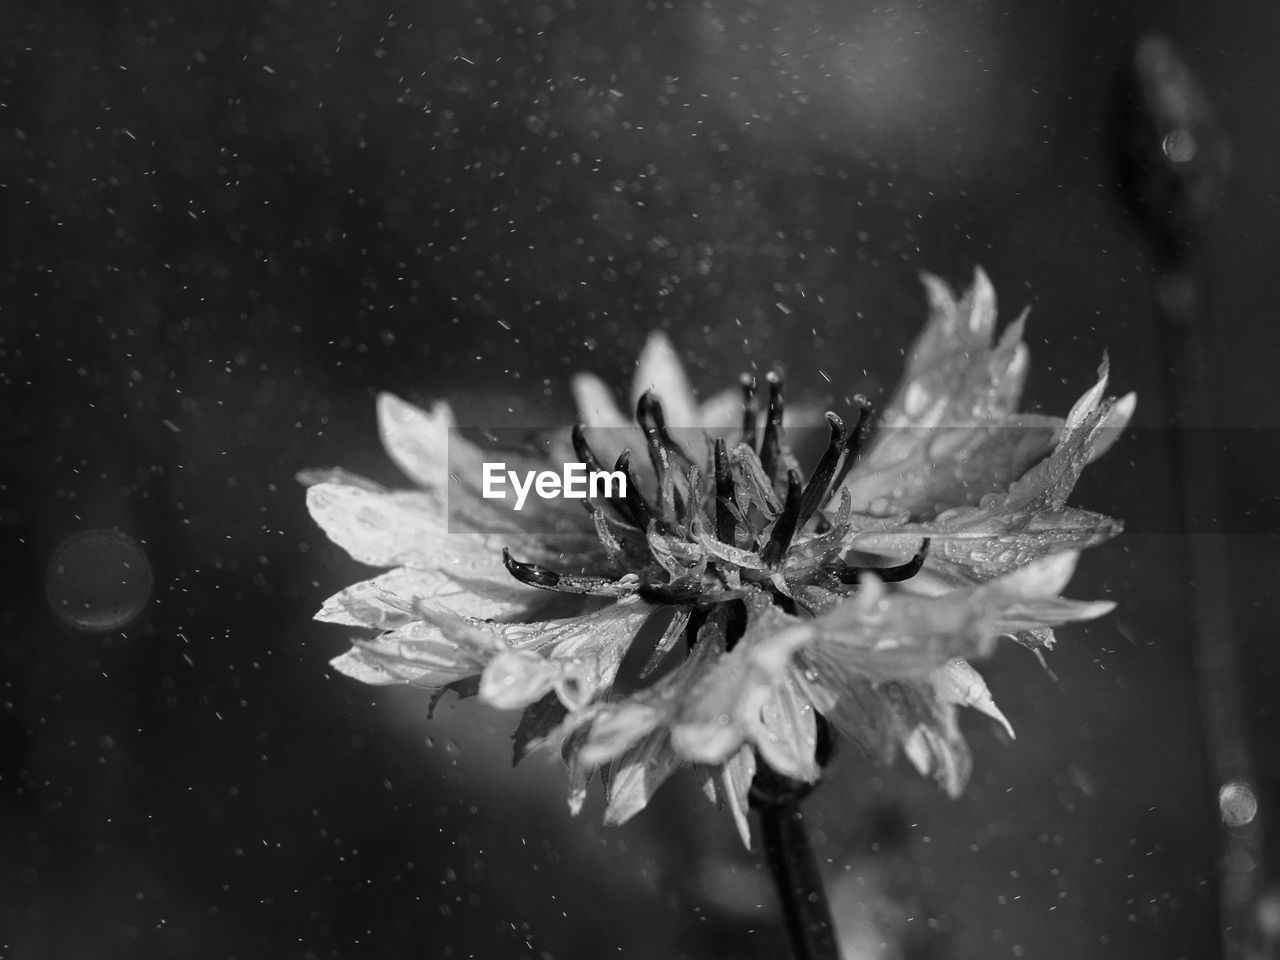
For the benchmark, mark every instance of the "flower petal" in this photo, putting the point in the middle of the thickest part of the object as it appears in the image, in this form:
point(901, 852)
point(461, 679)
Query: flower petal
point(931, 738)
point(417, 653)
point(385, 529)
point(641, 770)
point(730, 785)
point(788, 734)
point(659, 369)
point(596, 407)
point(898, 635)
point(957, 682)
point(738, 773)
point(514, 679)
point(725, 706)
point(418, 440)
point(537, 726)
point(388, 600)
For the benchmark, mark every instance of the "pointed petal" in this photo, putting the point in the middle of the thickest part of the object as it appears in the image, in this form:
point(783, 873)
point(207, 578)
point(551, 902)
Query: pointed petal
point(903, 635)
point(725, 705)
point(670, 637)
point(596, 406)
point(1114, 424)
point(618, 728)
point(788, 735)
point(957, 682)
point(641, 770)
point(416, 653)
point(931, 739)
point(950, 435)
point(417, 440)
point(537, 726)
point(388, 600)
point(738, 772)
point(659, 369)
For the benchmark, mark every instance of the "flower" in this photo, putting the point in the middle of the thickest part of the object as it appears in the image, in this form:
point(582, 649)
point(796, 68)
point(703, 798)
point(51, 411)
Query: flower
point(854, 596)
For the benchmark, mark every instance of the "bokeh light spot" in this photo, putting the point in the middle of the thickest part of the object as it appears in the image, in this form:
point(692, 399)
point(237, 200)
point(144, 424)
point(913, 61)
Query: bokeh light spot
point(98, 580)
point(1237, 803)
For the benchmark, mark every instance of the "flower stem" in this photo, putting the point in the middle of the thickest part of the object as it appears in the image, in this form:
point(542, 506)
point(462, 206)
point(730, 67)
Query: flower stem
point(795, 873)
point(805, 909)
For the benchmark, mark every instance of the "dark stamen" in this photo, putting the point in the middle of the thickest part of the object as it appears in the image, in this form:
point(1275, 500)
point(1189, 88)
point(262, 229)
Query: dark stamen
point(771, 445)
point(640, 509)
point(586, 455)
point(903, 571)
point(726, 526)
point(649, 416)
point(677, 594)
point(534, 575)
point(857, 437)
point(583, 449)
point(748, 383)
point(815, 490)
point(784, 528)
point(530, 573)
point(653, 421)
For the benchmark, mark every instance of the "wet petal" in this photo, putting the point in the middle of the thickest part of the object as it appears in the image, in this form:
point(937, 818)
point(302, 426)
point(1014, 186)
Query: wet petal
point(725, 706)
point(417, 653)
point(903, 635)
point(515, 678)
point(388, 600)
point(930, 736)
point(381, 529)
point(788, 733)
point(418, 440)
point(730, 785)
point(957, 682)
point(637, 774)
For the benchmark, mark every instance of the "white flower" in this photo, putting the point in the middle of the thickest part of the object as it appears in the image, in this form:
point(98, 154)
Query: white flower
point(853, 597)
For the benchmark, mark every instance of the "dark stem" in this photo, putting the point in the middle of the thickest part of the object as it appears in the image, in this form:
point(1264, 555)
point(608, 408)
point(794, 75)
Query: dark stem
point(795, 873)
point(805, 909)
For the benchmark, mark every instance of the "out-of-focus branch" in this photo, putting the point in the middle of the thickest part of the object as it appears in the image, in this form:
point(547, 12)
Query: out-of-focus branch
point(1173, 158)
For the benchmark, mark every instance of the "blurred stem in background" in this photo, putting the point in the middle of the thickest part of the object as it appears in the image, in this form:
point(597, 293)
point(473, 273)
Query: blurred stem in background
point(1172, 159)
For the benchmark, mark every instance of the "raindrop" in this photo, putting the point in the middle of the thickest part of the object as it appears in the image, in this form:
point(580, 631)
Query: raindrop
point(98, 580)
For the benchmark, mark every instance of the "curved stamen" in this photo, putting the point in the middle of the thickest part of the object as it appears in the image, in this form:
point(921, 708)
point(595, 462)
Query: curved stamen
point(653, 421)
point(726, 526)
point(784, 528)
point(903, 571)
point(583, 449)
point(857, 437)
point(677, 594)
point(815, 491)
point(586, 455)
point(534, 575)
point(641, 511)
point(748, 383)
point(771, 445)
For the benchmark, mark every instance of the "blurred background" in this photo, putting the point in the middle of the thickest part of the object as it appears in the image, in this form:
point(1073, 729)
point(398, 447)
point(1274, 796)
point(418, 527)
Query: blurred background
point(224, 230)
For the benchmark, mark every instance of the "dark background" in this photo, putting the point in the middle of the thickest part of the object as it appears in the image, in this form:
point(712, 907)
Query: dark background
point(222, 231)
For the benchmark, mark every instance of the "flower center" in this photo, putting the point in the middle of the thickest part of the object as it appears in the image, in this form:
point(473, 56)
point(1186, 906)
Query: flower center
point(739, 521)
